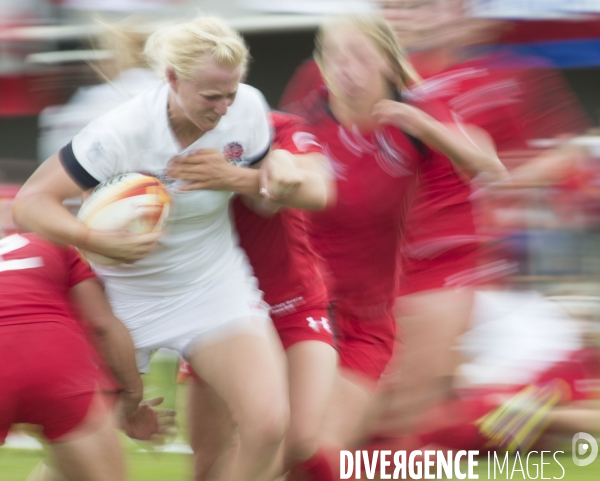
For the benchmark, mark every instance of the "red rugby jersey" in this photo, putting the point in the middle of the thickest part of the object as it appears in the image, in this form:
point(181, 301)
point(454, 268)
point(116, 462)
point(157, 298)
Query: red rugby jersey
point(278, 247)
point(442, 208)
point(359, 236)
point(515, 99)
point(441, 215)
point(35, 277)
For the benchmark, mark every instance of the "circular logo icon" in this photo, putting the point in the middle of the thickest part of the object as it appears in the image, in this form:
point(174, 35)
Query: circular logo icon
point(584, 443)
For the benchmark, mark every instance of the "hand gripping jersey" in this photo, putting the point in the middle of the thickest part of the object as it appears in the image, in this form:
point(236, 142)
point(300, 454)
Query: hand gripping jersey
point(198, 246)
point(278, 247)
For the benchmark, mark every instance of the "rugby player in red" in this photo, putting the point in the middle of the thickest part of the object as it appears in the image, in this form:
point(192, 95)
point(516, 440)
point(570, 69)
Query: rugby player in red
point(440, 252)
point(376, 146)
point(288, 272)
point(49, 375)
point(506, 96)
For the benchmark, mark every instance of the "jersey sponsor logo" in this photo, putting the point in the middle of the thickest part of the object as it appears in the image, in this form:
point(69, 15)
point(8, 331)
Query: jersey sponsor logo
point(317, 325)
point(233, 152)
point(287, 307)
point(11, 244)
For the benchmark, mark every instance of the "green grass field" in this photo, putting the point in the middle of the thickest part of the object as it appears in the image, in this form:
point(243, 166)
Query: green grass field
point(16, 464)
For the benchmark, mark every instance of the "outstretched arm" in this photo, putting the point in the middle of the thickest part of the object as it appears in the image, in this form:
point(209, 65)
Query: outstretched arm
point(113, 340)
point(290, 180)
point(470, 148)
point(139, 419)
point(548, 167)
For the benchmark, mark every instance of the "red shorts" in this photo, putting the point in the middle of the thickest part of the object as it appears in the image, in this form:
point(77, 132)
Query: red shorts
point(308, 324)
point(453, 268)
point(185, 372)
point(365, 346)
point(47, 378)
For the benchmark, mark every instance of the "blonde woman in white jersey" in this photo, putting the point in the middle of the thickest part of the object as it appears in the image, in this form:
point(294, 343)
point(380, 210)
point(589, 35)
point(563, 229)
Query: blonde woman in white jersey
point(191, 289)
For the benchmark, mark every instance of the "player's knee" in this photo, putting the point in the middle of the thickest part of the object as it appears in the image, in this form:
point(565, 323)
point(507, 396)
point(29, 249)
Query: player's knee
point(204, 461)
point(266, 427)
point(274, 426)
point(301, 444)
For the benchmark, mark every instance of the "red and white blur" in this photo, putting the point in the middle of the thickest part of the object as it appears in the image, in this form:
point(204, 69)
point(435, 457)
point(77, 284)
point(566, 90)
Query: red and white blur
point(439, 290)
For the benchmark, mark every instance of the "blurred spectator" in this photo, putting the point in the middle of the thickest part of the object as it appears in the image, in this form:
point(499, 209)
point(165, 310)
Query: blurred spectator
point(308, 6)
point(125, 73)
point(119, 5)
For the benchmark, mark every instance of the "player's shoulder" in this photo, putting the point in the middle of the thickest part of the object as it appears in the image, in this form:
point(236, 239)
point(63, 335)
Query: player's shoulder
point(283, 119)
point(30, 244)
point(293, 133)
point(248, 100)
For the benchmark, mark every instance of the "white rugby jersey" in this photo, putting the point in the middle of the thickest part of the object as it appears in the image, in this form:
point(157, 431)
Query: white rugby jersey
point(198, 244)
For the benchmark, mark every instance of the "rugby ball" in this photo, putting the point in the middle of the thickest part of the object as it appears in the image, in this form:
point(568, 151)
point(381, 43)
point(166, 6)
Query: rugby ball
point(133, 202)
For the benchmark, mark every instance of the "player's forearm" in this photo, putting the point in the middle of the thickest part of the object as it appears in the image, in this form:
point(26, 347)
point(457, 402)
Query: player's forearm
point(548, 167)
point(45, 215)
point(117, 350)
point(244, 181)
point(301, 181)
point(465, 152)
point(311, 194)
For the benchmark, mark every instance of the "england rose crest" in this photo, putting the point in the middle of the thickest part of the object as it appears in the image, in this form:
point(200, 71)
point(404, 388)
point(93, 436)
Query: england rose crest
point(233, 152)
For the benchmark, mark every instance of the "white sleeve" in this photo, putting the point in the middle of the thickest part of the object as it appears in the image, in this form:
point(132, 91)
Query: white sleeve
point(260, 140)
point(95, 150)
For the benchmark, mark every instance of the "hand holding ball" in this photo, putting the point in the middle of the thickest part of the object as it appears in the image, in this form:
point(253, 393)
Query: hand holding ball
point(132, 203)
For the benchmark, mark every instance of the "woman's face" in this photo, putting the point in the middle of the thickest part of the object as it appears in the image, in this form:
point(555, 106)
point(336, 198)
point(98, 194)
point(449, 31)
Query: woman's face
point(205, 98)
point(353, 66)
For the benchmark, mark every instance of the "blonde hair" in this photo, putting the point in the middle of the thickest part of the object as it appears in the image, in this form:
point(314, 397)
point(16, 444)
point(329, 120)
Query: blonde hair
point(383, 37)
point(181, 46)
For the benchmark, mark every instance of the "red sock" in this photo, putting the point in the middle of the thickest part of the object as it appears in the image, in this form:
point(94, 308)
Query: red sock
point(316, 468)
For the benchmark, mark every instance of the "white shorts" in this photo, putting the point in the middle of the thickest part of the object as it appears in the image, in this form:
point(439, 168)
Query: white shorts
point(202, 316)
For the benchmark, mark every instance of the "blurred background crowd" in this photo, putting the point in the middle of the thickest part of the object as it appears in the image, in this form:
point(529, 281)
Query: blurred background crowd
point(541, 107)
